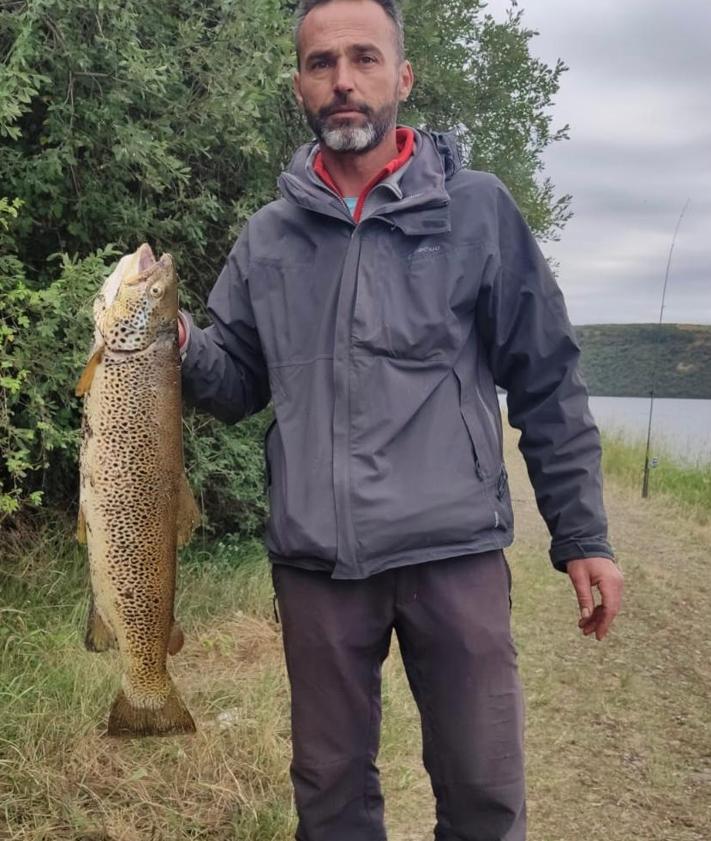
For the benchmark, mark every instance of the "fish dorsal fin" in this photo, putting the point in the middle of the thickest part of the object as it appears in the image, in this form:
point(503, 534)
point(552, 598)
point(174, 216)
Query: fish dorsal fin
point(87, 377)
point(188, 513)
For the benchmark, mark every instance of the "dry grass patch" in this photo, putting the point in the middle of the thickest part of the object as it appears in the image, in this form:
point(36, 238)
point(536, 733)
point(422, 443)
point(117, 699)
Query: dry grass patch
point(62, 778)
point(229, 778)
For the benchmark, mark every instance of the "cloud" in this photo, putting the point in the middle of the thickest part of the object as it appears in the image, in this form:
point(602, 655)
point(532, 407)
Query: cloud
point(638, 99)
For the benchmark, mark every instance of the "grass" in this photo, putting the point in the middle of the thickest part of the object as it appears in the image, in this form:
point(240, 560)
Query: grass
point(60, 778)
point(618, 740)
point(686, 485)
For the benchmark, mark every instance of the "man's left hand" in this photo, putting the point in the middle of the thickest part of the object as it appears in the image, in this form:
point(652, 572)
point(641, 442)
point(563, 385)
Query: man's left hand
point(586, 573)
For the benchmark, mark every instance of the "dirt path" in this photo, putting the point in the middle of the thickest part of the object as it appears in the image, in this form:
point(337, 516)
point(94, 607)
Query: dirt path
point(619, 732)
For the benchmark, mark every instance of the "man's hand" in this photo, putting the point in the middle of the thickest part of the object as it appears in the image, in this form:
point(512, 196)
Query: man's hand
point(181, 333)
point(586, 573)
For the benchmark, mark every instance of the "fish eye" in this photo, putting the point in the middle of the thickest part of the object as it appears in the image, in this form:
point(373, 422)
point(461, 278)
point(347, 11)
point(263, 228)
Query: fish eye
point(156, 291)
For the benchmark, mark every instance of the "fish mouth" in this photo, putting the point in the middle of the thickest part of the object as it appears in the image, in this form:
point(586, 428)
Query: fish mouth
point(146, 257)
point(132, 269)
point(145, 264)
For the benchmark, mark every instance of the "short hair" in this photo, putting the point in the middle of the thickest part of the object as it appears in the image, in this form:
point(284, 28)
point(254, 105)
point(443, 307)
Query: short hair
point(391, 8)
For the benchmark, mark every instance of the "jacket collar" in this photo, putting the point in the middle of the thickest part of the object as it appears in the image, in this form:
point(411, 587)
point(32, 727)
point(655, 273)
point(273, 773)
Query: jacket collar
point(424, 206)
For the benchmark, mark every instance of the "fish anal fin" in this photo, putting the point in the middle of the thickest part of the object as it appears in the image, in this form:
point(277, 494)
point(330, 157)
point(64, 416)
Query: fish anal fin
point(176, 641)
point(81, 526)
point(87, 377)
point(188, 513)
point(99, 637)
point(172, 719)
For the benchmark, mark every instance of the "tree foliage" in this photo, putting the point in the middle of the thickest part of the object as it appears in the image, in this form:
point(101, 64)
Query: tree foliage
point(477, 75)
point(131, 121)
point(168, 122)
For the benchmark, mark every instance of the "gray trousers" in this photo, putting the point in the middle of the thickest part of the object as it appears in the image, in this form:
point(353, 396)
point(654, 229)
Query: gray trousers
point(451, 618)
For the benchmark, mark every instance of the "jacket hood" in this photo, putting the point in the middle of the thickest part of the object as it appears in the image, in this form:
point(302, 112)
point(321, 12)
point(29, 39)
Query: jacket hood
point(436, 159)
point(443, 143)
point(446, 144)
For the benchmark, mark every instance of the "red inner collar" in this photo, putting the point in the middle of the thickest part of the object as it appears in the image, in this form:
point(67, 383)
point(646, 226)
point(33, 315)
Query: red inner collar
point(405, 138)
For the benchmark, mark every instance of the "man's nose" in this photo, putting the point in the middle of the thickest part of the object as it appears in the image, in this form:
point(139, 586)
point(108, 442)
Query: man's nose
point(343, 80)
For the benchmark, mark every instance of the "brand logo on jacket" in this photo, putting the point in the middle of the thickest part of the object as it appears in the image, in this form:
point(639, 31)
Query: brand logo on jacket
point(427, 249)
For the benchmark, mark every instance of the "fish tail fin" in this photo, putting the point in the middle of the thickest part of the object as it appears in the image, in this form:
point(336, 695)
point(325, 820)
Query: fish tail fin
point(172, 719)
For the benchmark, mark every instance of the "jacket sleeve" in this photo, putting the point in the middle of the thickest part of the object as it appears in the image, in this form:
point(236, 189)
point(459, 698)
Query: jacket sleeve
point(534, 355)
point(223, 368)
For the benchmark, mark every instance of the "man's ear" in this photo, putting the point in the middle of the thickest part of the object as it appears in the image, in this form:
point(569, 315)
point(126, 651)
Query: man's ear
point(406, 81)
point(296, 82)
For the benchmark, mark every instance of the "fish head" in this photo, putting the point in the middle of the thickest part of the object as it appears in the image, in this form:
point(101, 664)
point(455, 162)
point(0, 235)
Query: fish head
point(138, 302)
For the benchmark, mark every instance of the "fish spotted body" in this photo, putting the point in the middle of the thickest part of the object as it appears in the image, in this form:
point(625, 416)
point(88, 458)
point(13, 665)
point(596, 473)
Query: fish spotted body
point(136, 506)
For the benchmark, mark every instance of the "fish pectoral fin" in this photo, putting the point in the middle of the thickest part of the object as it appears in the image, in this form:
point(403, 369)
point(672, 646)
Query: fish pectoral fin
point(81, 526)
point(87, 376)
point(172, 719)
point(176, 640)
point(188, 513)
point(99, 637)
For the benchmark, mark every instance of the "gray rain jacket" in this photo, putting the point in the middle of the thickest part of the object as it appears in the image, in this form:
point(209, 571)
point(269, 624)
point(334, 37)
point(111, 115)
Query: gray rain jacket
point(381, 344)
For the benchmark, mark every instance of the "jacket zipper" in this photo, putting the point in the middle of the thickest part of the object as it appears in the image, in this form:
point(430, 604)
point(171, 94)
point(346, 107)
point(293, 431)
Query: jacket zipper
point(346, 540)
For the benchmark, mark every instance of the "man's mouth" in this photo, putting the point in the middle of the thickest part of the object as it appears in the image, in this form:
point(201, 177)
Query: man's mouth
point(345, 112)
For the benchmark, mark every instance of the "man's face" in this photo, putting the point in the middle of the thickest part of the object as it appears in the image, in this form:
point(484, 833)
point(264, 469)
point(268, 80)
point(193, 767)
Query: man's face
point(351, 80)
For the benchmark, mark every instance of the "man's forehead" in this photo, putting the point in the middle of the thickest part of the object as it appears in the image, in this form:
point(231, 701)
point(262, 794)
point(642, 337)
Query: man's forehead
point(343, 22)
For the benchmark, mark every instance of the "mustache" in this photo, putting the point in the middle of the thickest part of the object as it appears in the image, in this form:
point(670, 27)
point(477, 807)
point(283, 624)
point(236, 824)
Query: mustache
point(335, 107)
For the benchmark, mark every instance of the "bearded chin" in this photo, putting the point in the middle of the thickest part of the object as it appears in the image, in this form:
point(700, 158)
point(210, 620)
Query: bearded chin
point(357, 139)
point(350, 139)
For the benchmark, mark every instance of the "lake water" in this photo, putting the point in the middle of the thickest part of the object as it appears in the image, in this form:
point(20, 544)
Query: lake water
point(681, 427)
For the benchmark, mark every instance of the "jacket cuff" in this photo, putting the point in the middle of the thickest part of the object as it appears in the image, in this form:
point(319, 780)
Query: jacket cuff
point(571, 550)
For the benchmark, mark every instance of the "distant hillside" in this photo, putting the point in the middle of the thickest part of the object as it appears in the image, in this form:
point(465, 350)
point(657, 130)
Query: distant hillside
point(619, 359)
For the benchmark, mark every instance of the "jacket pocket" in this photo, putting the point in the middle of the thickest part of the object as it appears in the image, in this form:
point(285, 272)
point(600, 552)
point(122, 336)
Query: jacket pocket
point(267, 465)
point(502, 482)
point(467, 411)
point(503, 511)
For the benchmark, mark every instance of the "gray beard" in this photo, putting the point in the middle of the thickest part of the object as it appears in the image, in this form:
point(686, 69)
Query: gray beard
point(357, 139)
point(350, 139)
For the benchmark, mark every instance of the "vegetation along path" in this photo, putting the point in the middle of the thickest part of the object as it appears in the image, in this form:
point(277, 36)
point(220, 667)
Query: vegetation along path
point(618, 733)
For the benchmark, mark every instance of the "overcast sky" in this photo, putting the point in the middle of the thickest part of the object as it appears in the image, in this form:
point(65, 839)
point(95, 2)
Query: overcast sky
point(638, 100)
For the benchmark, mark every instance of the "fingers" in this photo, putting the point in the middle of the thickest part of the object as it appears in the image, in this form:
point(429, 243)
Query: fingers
point(606, 576)
point(591, 625)
point(181, 332)
point(583, 589)
point(610, 587)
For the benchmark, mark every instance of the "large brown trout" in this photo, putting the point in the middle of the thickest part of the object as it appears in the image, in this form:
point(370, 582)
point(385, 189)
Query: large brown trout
point(136, 506)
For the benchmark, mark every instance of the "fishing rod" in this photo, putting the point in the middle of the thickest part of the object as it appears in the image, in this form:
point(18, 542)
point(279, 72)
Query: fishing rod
point(645, 481)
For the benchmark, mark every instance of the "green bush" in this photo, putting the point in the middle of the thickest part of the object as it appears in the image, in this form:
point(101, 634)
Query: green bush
point(141, 121)
point(42, 338)
point(226, 465)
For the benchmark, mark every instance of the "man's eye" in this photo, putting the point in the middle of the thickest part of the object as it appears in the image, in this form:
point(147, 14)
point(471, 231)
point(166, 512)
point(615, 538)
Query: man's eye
point(320, 65)
point(367, 59)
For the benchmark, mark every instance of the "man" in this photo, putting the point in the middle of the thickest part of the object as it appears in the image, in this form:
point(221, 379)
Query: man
point(378, 302)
